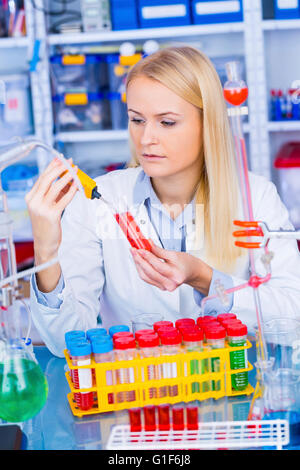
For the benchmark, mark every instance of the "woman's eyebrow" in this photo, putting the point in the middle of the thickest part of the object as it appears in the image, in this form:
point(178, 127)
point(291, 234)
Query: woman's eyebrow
point(159, 114)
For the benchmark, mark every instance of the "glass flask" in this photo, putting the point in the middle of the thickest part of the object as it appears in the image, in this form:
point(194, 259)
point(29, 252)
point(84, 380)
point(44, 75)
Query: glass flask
point(235, 90)
point(23, 386)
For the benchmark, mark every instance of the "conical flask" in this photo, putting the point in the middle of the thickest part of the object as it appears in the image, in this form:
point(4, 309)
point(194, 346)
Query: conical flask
point(23, 386)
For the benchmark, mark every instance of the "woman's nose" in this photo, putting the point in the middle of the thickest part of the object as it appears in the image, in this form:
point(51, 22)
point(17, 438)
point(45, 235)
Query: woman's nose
point(149, 135)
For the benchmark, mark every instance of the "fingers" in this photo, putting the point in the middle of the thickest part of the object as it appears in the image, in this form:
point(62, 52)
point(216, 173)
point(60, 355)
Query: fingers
point(156, 262)
point(58, 186)
point(145, 278)
point(161, 252)
point(43, 183)
point(67, 197)
point(150, 275)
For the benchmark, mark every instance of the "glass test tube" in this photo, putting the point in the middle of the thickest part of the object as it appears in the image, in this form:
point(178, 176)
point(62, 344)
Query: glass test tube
point(192, 416)
point(150, 418)
point(237, 336)
point(135, 419)
point(149, 347)
point(132, 231)
point(103, 352)
point(125, 350)
point(71, 336)
point(178, 417)
point(170, 346)
point(215, 338)
point(164, 423)
point(193, 341)
point(82, 378)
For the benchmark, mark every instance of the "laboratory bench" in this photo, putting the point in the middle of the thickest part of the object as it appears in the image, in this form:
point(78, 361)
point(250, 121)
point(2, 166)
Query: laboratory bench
point(56, 428)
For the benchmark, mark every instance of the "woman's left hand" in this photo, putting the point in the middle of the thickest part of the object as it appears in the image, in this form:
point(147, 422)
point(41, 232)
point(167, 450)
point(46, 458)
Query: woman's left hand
point(168, 269)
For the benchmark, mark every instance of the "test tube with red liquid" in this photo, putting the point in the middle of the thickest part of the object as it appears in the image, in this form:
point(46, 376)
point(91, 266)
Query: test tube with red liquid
point(178, 417)
point(135, 419)
point(192, 416)
point(150, 418)
point(82, 378)
point(132, 231)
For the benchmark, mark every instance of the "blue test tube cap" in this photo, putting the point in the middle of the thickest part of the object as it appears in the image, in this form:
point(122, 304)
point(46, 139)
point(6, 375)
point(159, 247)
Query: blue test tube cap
point(82, 348)
point(102, 346)
point(75, 340)
point(74, 334)
point(117, 328)
point(96, 331)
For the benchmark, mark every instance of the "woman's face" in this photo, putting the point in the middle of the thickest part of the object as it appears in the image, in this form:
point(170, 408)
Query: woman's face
point(165, 129)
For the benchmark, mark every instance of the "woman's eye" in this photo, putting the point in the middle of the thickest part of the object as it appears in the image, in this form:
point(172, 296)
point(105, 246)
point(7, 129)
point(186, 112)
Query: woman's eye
point(136, 121)
point(168, 123)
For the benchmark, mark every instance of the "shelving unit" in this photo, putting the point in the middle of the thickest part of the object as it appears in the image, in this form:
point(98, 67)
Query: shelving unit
point(250, 36)
point(149, 33)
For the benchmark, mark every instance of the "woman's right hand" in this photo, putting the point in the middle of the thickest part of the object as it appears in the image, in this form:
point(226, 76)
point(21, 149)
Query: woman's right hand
point(46, 201)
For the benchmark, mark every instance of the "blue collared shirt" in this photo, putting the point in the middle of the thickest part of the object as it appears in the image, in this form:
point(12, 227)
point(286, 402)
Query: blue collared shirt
point(172, 235)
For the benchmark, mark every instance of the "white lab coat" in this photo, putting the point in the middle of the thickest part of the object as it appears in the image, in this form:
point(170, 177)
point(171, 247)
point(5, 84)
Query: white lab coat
point(101, 278)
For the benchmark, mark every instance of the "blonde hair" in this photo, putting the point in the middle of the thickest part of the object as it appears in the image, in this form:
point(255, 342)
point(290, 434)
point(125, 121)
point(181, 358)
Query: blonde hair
point(190, 74)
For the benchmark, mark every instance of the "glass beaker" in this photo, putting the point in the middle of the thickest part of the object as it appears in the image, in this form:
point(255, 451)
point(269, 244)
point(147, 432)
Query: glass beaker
point(23, 386)
point(282, 400)
point(282, 338)
point(144, 321)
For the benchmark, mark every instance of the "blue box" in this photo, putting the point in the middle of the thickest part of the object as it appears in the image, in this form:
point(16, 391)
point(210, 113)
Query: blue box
point(217, 11)
point(162, 13)
point(123, 14)
point(287, 9)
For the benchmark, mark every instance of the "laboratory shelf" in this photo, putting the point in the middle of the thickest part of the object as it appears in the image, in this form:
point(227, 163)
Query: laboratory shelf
point(283, 126)
point(146, 33)
point(23, 41)
point(270, 25)
point(91, 136)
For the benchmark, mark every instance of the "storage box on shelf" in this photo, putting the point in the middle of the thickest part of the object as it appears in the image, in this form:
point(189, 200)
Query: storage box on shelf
point(216, 11)
point(124, 14)
point(286, 9)
point(163, 13)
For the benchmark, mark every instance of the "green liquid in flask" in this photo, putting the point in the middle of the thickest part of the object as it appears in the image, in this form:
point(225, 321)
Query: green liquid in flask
point(23, 390)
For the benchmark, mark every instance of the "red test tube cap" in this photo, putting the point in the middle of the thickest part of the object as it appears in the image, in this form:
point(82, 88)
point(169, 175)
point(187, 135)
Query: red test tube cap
point(237, 330)
point(215, 333)
point(170, 338)
point(148, 341)
point(159, 324)
point(226, 316)
point(139, 333)
point(192, 335)
point(184, 321)
point(125, 342)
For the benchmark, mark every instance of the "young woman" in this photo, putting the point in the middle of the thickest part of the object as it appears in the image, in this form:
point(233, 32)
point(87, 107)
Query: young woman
point(182, 188)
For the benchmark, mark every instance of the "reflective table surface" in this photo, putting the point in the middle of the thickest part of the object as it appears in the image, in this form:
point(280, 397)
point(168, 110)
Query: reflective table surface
point(56, 428)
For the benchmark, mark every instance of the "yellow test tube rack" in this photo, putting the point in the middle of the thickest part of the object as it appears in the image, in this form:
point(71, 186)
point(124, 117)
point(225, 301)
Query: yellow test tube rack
point(204, 384)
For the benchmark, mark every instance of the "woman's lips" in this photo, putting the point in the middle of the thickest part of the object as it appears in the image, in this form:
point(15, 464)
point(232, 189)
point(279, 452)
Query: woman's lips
point(148, 156)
